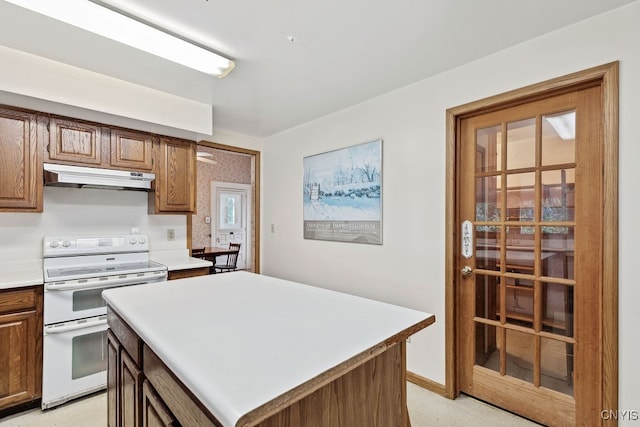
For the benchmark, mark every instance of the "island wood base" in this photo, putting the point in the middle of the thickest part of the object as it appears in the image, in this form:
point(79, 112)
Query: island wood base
point(366, 390)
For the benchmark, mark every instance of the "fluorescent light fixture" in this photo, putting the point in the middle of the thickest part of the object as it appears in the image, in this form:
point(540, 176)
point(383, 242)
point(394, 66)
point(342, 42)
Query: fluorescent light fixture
point(564, 124)
point(108, 23)
point(202, 157)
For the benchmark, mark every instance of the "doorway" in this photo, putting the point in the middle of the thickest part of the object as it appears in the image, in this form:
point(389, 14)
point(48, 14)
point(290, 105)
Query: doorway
point(199, 225)
point(532, 252)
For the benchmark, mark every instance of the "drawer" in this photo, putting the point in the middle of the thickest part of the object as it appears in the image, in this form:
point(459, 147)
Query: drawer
point(14, 300)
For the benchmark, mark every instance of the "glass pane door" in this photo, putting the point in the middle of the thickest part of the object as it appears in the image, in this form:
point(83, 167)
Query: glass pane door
point(524, 228)
point(531, 277)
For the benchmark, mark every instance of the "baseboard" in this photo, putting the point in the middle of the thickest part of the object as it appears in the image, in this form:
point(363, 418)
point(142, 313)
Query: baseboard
point(427, 384)
point(20, 408)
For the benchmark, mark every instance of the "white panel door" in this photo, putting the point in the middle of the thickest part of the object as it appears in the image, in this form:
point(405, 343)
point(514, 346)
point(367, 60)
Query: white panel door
point(231, 208)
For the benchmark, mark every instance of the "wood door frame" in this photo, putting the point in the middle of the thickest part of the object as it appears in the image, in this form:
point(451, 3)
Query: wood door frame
point(247, 194)
point(606, 76)
point(256, 197)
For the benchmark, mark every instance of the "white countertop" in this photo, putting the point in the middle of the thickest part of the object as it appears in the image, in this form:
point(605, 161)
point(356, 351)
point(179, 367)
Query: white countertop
point(21, 273)
point(178, 260)
point(238, 340)
point(29, 272)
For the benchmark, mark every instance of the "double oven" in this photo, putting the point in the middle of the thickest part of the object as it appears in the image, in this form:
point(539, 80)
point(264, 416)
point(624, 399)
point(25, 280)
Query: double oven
point(76, 271)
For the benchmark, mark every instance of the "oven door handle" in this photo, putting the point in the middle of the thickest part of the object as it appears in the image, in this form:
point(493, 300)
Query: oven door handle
point(106, 283)
point(49, 330)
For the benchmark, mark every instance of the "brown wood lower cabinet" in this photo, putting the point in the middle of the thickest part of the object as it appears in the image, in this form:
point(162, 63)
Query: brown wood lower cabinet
point(131, 397)
point(189, 272)
point(20, 348)
point(124, 379)
point(130, 389)
point(113, 384)
point(154, 412)
point(365, 391)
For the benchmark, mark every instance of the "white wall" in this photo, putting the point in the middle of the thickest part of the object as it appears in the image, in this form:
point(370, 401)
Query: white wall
point(74, 211)
point(408, 268)
point(42, 78)
point(234, 139)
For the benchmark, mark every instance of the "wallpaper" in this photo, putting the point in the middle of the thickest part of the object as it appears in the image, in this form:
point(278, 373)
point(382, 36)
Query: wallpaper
point(230, 167)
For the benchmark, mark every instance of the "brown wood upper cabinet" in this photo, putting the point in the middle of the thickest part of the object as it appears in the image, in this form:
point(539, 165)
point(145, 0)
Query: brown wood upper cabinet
point(21, 162)
point(175, 183)
point(91, 144)
point(77, 142)
point(131, 150)
point(28, 138)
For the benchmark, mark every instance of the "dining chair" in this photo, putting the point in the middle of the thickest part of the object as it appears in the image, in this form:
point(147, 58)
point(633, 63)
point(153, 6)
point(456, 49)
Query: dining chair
point(198, 253)
point(232, 260)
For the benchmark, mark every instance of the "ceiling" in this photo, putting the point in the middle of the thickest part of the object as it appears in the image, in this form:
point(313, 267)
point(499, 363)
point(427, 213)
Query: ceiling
point(343, 51)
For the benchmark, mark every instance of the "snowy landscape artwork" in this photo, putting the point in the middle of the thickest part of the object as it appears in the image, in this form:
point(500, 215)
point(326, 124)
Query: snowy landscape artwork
point(343, 194)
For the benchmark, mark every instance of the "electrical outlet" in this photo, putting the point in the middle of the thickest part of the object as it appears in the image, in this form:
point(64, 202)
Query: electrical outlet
point(171, 234)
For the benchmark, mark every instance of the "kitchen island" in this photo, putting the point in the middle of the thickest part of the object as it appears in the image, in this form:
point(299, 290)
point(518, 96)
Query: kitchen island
point(242, 349)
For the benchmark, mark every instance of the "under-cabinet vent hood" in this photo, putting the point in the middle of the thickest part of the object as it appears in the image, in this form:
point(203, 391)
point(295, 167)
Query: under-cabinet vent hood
point(83, 177)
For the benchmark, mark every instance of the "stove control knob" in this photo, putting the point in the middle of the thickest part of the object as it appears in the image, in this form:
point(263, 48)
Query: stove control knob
point(54, 244)
point(133, 241)
point(142, 240)
point(66, 243)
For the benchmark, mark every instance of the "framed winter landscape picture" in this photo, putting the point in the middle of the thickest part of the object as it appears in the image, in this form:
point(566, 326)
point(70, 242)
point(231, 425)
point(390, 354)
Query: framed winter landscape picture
point(343, 194)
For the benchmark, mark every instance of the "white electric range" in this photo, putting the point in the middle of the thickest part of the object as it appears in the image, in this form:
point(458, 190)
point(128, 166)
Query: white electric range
point(76, 271)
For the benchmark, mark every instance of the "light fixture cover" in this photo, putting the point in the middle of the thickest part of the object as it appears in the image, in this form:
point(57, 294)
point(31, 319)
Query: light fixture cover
point(203, 156)
point(564, 124)
point(108, 23)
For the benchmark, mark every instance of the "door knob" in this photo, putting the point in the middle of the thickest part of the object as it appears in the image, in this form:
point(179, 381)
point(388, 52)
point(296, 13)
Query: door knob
point(466, 271)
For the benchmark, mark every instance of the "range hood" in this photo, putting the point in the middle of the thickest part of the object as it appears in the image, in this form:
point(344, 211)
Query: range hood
point(83, 177)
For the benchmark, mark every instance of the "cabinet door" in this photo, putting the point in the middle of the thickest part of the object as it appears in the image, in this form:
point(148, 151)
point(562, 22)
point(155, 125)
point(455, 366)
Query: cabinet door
point(21, 346)
point(131, 150)
point(154, 411)
point(130, 391)
point(77, 142)
point(113, 394)
point(20, 162)
point(175, 184)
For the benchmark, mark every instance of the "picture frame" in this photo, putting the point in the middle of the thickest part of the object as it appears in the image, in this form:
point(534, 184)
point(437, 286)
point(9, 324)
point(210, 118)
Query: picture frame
point(342, 192)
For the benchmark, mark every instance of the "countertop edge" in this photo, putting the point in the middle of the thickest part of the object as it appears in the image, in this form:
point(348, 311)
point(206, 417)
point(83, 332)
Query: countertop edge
point(239, 411)
point(20, 284)
point(273, 406)
point(21, 273)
